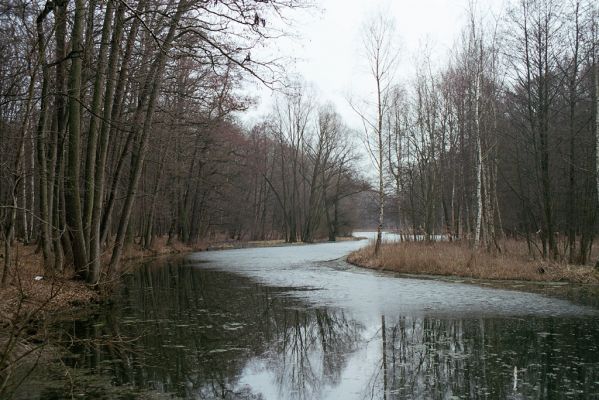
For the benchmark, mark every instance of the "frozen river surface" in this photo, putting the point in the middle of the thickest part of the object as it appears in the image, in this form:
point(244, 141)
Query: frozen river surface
point(298, 322)
point(322, 277)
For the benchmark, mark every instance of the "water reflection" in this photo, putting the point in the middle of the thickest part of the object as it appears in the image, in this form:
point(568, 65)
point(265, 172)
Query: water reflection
point(199, 333)
point(488, 358)
point(191, 332)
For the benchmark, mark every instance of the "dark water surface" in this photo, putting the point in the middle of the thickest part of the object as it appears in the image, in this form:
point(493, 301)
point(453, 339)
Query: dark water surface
point(299, 323)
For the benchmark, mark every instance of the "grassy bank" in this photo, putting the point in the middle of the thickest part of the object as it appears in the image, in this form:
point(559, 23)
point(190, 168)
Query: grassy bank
point(458, 259)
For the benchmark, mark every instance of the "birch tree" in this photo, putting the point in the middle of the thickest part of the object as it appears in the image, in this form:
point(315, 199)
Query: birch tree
point(380, 53)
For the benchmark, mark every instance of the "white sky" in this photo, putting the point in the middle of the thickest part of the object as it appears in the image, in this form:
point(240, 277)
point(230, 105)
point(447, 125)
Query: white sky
point(328, 45)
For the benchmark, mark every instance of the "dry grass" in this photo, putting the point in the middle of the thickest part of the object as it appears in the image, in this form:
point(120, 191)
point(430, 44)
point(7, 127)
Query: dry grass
point(458, 259)
point(159, 247)
point(35, 298)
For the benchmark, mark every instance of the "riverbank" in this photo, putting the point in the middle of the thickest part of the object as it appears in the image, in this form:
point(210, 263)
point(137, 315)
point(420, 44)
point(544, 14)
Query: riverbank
point(31, 295)
point(219, 316)
point(459, 260)
point(31, 303)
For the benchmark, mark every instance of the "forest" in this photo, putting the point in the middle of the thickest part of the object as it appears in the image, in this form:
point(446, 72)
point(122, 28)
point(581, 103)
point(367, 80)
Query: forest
point(119, 125)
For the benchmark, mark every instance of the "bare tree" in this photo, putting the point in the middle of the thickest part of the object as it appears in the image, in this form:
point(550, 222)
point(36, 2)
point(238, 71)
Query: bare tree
point(381, 55)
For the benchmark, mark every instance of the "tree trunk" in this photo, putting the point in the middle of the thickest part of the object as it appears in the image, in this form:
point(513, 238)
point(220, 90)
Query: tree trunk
point(72, 191)
point(98, 189)
point(92, 135)
point(381, 169)
point(479, 195)
point(596, 78)
point(60, 116)
point(148, 231)
point(115, 116)
point(149, 97)
point(41, 147)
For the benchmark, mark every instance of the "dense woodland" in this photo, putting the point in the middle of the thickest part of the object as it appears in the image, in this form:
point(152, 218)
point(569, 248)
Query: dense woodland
point(117, 125)
point(501, 140)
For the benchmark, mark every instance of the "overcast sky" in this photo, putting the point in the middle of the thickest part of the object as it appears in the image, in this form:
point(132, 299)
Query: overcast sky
point(327, 47)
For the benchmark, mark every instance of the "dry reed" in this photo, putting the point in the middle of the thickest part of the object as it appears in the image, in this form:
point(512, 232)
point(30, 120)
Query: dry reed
point(458, 259)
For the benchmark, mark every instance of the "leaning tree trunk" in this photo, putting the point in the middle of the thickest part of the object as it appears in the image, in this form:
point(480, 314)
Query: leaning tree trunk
point(98, 188)
point(115, 114)
point(151, 94)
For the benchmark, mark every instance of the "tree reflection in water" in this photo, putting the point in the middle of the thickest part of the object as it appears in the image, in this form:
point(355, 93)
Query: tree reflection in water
point(310, 351)
point(488, 358)
point(205, 334)
point(197, 329)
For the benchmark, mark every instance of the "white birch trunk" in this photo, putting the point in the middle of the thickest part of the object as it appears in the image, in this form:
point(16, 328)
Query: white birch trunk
point(479, 169)
point(379, 228)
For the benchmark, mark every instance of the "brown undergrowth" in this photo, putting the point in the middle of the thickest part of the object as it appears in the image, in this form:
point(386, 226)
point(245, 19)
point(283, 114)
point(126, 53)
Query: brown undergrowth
point(51, 294)
point(30, 289)
point(30, 292)
point(458, 259)
point(31, 302)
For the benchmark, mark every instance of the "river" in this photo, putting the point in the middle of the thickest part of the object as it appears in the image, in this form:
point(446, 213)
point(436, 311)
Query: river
point(297, 322)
